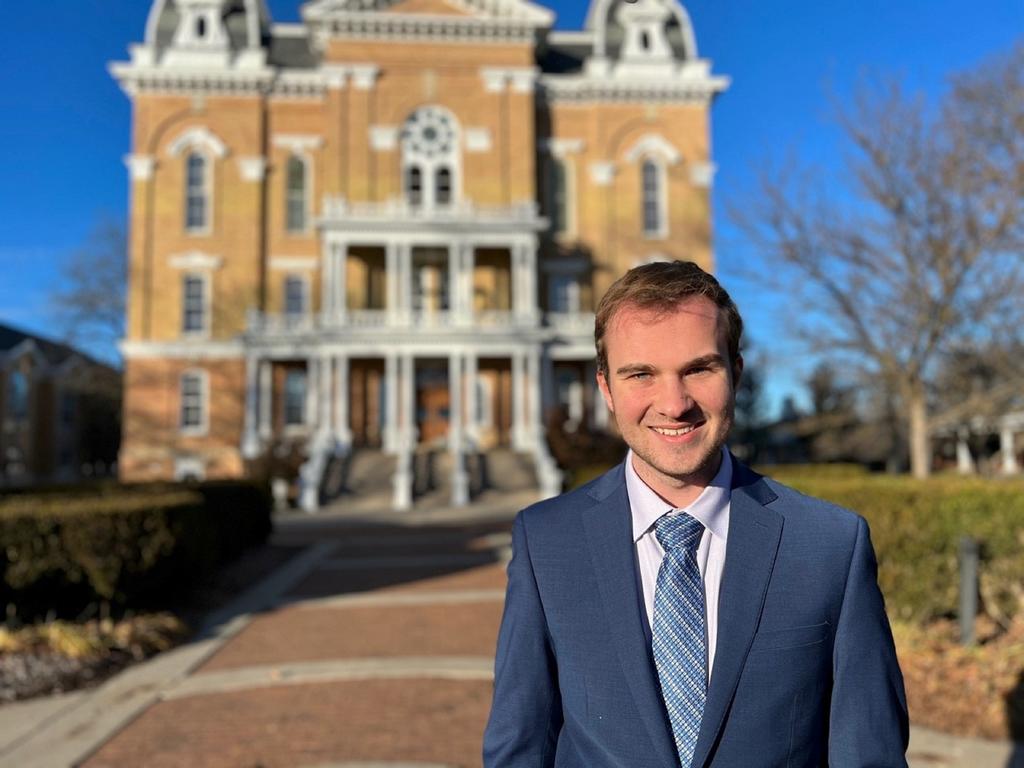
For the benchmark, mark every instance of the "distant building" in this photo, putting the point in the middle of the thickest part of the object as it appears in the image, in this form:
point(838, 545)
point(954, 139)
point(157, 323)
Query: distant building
point(388, 226)
point(59, 412)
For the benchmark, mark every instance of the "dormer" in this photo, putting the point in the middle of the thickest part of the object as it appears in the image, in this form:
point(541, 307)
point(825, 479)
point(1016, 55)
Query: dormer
point(205, 34)
point(642, 38)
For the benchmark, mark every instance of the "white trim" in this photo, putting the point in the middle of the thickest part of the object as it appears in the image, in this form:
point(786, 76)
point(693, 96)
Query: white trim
point(195, 260)
point(201, 429)
point(689, 85)
point(297, 143)
point(383, 138)
point(562, 147)
point(653, 145)
point(518, 79)
point(140, 167)
point(294, 263)
point(478, 140)
point(189, 466)
point(198, 137)
point(602, 174)
point(183, 349)
point(702, 175)
point(364, 76)
point(252, 168)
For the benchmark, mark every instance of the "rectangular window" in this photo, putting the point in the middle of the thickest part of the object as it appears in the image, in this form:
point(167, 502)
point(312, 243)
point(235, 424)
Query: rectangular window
point(563, 293)
point(295, 397)
point(196, 192)
point(193, 396)
point(651, 198)
point(296, 192)
point(557, 196)
point(294, 296)
point(193, 299)
point(68, 407)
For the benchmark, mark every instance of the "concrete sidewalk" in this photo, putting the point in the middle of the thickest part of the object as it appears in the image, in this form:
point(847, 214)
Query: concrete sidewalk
point(374, 647)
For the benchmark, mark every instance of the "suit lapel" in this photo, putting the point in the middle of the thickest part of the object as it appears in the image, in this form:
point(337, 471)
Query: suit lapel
point(754, 534)
point(609, 536)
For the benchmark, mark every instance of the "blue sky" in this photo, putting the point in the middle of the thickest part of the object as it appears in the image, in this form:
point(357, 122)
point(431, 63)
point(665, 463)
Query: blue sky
point(64, 124)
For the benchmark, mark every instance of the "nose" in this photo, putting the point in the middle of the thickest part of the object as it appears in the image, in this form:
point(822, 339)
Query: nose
point(673, 400)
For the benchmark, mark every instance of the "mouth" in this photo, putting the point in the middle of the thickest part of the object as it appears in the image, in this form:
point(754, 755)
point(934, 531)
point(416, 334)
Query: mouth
point(675, 431)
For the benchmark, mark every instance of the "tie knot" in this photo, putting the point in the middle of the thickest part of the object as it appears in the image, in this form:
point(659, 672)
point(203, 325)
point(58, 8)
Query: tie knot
point(674, 531)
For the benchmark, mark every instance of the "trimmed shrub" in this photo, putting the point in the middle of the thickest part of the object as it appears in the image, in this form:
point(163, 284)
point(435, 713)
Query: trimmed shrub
point(916, 527)
point(65, 555)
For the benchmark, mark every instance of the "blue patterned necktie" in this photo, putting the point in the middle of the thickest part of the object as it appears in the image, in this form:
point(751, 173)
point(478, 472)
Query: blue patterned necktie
point(678, 635)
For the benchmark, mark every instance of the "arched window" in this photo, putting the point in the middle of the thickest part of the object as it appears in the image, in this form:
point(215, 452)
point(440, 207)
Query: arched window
point(652, 197)
point(443, 186)
point(295, 193)
point(197, 192)
point(414, 185)
point(430, 157)
point(558, 195)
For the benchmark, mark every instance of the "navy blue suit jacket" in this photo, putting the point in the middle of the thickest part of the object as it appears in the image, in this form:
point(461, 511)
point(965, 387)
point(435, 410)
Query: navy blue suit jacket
point(805, 670)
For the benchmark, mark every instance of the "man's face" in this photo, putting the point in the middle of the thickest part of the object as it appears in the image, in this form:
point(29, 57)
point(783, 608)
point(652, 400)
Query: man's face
point(671, 389)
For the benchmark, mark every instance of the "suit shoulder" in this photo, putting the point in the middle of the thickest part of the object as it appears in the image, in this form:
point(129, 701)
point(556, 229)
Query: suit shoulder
point(797, 506)
point(567, 506)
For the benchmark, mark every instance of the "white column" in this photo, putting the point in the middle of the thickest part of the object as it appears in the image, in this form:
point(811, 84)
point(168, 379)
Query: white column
point(529, 257)
point(403, 479)
point(472, 407)
point(460, 478)
point(964, 461)
point(405, 270)
point(455, 305)
point(312, 390)
point(394, 280)
point(324, 411)
point(342, 422)
point(468, 262)
point(391, 440)
point(1008, 450)
point(340, 259)
point(518, 281)
point(535, 421)
point(409, 402)
point(250, 440)
point(518, 403)
point(266, 399)
point(327, 279)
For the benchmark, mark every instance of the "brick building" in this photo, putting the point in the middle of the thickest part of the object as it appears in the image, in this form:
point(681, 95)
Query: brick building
point(387, 226)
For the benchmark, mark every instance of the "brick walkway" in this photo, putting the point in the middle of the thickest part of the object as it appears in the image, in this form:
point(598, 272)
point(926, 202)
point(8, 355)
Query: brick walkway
point(380, 654)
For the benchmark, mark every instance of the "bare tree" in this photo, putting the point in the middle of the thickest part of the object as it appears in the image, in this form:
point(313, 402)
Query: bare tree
point(90, 298)
point(917, 249)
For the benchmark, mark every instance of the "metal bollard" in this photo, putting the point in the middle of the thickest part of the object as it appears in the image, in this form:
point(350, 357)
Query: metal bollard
point(969, 554)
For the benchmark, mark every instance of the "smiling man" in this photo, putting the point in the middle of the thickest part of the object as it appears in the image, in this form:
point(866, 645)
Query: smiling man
point(682, 610)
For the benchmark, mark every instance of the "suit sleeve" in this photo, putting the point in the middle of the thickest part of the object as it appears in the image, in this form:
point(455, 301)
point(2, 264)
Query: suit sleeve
point(868, 718)
point(526, 714)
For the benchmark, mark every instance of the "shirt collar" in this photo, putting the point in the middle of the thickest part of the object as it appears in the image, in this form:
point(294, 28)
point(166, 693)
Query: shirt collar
point(710, 507)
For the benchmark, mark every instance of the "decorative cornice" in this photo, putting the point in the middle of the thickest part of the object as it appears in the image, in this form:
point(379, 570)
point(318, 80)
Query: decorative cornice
point(186, 349)
point(195, 260)
point(652, 144)
point(252, 168)
point(519, 79)
point(200, 137)
point(297, 142)
point(578, 89)
point(478, 140)
point(421, 28)
point(383, 138)
point(293, 263)
point(702, 174)
point(561, 147)
point(140, 167)
point(602, 173)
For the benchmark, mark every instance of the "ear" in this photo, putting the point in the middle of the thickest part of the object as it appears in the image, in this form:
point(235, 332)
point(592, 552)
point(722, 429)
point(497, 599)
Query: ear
point(606, 393)
point(737, 370)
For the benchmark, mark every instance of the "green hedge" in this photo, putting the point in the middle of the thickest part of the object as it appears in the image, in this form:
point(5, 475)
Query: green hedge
point(68, 553)
point(916, 527)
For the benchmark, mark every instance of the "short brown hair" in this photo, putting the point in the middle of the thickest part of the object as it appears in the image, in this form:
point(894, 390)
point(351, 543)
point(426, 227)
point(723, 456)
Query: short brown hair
point(660, 287)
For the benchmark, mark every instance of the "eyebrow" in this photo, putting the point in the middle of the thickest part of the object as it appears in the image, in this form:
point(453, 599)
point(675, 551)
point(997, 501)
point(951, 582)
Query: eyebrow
point(705, 360)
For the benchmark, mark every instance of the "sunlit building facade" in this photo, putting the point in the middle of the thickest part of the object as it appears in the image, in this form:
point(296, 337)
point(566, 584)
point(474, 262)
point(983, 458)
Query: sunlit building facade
point(387, 226)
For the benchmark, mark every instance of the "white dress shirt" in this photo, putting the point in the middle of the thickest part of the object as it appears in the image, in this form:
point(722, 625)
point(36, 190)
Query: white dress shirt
point(711, 508)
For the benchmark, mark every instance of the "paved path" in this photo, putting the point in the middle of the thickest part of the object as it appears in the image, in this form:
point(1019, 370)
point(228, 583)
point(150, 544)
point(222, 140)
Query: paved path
point(372, 649)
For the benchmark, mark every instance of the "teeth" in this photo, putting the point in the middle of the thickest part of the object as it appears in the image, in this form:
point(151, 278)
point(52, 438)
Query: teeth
point(673, 432)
